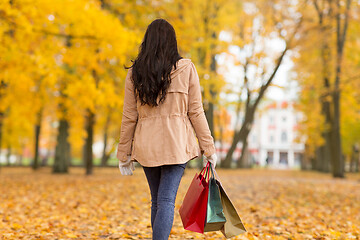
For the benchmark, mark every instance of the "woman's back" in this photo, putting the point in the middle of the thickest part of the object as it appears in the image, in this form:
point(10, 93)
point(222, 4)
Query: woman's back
point(165, 134)
point(177, 94)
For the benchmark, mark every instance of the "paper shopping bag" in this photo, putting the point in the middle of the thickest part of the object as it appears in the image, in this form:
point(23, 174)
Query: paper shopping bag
point(193, 208)
point(233, 225)
point(215, 218)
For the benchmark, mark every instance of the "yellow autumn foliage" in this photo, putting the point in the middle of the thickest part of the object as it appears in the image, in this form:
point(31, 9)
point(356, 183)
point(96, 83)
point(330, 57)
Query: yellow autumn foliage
point(272, 205)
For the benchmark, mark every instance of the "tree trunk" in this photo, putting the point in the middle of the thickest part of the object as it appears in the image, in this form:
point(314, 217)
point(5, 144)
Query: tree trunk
point(337, 161)
point(20, 159)
point(353, 158)
point(242, 136)
point(226, 162)
point(326, 111)
point(324, 155)
point(1, 124)
point(209, 113)
point(250, 112)
point(319, 152)
point(37, 139)
point(239, 136)
point(62, 150)
point(325, 166)
point(304, 160)
point(105, 155)
point(228, 158)
point(221, 137)
point(243, 161)
point(62, 158)
point(210, 110)
point(313, 163)
point(341, 30)
point(357, 160)
point(8, 155)
point(88, 153)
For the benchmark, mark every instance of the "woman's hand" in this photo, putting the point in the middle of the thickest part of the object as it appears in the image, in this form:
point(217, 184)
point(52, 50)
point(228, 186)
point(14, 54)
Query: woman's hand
point(212, 159)
point(127, 168)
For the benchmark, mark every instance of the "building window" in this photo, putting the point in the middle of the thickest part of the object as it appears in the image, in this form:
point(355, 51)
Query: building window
point(271, 119)
point(271, 138)
point(283, 137)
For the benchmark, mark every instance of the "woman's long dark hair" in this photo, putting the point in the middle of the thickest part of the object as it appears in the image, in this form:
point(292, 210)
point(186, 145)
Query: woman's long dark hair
point(158, 53)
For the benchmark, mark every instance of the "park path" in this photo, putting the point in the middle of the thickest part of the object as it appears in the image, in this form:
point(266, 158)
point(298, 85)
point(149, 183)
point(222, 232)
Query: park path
point(273, 204)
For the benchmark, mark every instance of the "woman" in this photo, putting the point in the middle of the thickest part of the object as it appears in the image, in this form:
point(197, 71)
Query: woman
point(162, 108)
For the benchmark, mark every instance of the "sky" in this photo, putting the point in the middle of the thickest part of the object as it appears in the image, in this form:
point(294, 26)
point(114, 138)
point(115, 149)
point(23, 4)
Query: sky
point(233, 74)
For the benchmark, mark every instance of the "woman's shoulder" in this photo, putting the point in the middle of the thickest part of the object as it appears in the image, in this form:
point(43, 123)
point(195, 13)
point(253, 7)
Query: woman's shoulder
point(185, 61)
point(181, 65)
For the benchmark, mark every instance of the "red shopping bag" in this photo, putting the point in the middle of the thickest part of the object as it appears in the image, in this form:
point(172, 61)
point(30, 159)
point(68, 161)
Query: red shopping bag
point(193, 208)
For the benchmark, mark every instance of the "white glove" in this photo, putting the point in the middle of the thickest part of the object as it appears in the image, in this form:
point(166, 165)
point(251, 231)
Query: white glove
point(127, 168)
point(212, 159)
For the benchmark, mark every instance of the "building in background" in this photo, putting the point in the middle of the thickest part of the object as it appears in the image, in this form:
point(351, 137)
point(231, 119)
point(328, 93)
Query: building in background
point(272, 138)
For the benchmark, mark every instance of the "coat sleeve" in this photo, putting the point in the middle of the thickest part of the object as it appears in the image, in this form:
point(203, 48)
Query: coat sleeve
point(196, 115)
point(129, 120)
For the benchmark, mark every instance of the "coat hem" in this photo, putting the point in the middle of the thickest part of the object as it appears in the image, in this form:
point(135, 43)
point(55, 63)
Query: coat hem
point(157, 164)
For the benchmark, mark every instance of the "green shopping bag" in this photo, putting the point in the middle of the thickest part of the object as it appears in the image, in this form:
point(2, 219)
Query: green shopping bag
point(215, 218)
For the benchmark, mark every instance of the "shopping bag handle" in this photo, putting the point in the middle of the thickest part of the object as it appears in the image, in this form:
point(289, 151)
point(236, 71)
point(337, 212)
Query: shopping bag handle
point(206, 174)
point(213, 171)
point(204, 168)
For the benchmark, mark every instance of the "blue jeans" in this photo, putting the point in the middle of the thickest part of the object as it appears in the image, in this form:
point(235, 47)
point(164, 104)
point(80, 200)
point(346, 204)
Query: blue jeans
point(164, 183)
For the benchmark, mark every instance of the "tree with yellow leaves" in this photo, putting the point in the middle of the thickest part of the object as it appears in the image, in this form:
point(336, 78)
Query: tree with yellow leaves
point(321, 76)
point(92, 66)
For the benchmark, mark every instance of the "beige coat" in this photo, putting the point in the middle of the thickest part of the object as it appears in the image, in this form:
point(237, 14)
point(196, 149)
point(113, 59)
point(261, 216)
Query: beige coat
point(161, 135)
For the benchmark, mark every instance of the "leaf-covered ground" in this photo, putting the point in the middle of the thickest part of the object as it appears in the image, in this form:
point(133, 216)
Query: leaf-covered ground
point(106, 205)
